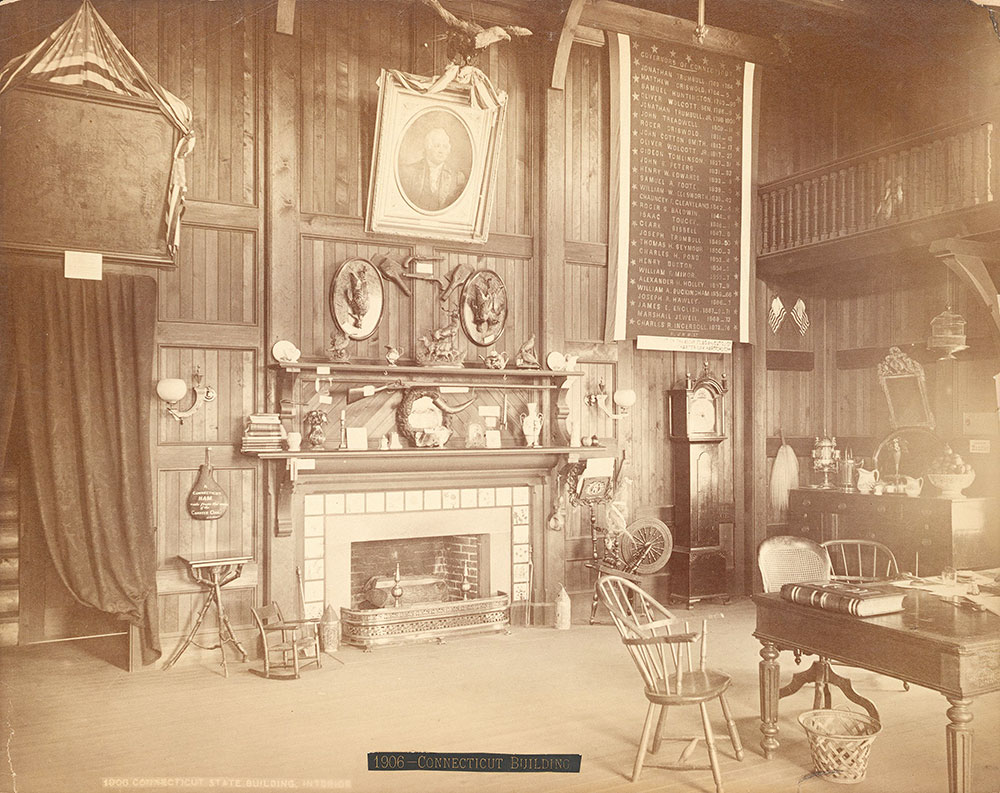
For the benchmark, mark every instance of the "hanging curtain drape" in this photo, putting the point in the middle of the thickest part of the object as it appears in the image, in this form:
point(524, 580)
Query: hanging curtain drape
point(80, 357)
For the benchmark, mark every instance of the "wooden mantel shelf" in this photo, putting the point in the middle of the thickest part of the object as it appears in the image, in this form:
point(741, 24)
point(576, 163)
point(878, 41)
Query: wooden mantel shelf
point(419, 375)
point(410, 467)
point(375, 461)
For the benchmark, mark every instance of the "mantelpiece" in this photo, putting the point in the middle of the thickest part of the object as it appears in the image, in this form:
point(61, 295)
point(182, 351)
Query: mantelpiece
point(299, 385)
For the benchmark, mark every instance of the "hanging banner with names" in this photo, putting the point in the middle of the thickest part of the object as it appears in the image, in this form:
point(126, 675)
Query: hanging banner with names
point(680, 198)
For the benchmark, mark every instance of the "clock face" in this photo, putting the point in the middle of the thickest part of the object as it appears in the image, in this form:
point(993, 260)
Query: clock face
point(701, 412)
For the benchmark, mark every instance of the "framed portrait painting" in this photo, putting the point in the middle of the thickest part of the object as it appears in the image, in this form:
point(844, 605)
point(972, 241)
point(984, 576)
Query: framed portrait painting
point(435, 158)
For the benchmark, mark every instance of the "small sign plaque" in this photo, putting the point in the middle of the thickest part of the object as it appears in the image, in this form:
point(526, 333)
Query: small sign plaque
point(207, 501)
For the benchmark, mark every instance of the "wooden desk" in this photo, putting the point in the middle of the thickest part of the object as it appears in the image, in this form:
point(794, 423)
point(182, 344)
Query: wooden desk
point(213, 573)
point(932, 643)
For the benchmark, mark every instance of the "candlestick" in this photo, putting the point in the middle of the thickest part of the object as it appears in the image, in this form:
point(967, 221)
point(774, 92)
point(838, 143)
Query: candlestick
point(397, 590)
point(343, 429)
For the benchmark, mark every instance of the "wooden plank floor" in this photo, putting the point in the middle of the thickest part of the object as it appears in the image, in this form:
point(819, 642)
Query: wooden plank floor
point(73, 723)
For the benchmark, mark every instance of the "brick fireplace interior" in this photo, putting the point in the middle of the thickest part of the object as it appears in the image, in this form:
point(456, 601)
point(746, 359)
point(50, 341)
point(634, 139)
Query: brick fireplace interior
point(431, 569)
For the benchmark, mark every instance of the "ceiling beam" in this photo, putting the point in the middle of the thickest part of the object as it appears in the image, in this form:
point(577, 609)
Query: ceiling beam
point(963, 258)
point(566, 44)
point(286, 17)
point(844, 9)
point(620, 18)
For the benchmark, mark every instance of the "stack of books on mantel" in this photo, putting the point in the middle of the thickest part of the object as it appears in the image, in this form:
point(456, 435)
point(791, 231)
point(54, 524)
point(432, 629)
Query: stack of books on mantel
point(860, 600)
point(263, 433)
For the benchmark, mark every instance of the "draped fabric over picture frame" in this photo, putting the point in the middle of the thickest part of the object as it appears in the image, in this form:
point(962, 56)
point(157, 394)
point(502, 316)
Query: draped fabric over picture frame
point(81, 117)
point(435, 157)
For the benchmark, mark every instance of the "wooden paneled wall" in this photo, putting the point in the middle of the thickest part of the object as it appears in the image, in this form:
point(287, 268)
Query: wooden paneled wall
point(210, 307)
point(811, 120)
point(840, 394)
point(277, 186)
point(211, 315)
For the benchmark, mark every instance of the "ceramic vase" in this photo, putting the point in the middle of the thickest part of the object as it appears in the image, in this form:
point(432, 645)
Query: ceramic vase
point(531, 424)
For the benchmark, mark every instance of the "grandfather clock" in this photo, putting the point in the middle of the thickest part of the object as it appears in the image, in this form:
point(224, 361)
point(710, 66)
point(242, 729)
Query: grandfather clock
point(697, 421)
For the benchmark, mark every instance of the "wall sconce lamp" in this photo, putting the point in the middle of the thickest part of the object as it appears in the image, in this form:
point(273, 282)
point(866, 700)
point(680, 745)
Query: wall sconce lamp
point(624, 398)
point(172, 390)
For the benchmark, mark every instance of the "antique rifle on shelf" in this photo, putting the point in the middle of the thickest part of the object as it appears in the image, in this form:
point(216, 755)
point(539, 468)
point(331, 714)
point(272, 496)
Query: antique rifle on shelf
point(363, 392)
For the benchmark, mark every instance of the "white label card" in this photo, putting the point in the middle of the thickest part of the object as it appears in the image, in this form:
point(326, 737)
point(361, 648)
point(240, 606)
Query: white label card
point(79, 264)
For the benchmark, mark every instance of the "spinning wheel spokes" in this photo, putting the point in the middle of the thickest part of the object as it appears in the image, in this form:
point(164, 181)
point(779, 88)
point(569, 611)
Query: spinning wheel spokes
point(645, 546)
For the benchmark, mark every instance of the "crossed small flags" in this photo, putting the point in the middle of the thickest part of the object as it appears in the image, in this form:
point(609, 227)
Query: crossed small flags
point(777, 313)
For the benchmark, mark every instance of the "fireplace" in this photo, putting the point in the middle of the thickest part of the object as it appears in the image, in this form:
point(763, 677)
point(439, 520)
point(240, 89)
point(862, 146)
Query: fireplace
point(431, 570)
point(439, 538)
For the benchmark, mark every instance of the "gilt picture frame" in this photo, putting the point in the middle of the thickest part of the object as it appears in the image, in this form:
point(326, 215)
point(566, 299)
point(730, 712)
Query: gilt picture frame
point(905, 387)
point(357, 298)
point(434, 157)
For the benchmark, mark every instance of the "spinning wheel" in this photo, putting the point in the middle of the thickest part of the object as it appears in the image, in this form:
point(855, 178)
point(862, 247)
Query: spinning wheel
point(645, 546)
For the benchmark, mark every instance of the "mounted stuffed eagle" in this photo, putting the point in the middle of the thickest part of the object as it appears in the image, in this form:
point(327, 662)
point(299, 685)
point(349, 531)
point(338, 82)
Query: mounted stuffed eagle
point(465, 39)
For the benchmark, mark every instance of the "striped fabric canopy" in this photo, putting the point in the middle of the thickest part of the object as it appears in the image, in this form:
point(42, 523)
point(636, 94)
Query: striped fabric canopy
point(83, 51)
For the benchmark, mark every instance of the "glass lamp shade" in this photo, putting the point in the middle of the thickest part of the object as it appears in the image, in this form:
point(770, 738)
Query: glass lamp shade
point(625, 398)
point(947, 333)
point(171, 389)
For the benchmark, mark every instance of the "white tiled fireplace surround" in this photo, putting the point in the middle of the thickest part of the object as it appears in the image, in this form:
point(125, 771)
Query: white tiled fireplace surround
point(334, 520)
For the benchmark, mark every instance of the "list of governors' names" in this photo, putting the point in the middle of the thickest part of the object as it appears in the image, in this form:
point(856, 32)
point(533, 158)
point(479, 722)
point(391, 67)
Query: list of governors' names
point(685, 192)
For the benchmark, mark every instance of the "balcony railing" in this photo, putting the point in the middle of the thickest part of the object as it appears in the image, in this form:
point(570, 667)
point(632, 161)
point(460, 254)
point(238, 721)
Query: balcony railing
point(935, 172)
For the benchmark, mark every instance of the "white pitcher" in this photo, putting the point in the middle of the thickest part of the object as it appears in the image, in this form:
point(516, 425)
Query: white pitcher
point(867, 479)
point(913, 486)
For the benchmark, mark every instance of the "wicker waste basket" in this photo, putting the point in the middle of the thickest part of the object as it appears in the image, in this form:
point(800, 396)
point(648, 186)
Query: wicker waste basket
point(840, 742)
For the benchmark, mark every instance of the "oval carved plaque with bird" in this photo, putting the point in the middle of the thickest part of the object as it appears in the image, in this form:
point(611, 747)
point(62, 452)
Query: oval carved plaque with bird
point(357, 298)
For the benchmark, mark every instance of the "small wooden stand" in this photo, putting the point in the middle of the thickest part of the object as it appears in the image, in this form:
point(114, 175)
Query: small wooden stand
point(213, 573)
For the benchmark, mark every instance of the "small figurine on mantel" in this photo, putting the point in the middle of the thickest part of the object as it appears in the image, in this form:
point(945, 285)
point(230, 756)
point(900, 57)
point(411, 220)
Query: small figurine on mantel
point(337, 350)
point(442, 349)
point(526, 357)
point(392, 354)
point(315, 421)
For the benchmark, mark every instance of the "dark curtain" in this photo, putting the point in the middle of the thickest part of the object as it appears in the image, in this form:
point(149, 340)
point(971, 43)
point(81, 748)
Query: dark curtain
point(80, 367)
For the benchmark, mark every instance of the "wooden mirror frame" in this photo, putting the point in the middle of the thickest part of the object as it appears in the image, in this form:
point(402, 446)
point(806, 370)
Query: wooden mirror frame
point(905, 388)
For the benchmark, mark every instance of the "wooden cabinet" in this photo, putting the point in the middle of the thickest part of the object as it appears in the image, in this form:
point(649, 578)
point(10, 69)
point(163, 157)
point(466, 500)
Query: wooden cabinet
point(964, 533)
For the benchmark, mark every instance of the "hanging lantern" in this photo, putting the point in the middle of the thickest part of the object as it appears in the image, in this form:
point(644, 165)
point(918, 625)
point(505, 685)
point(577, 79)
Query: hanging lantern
point(947, 334)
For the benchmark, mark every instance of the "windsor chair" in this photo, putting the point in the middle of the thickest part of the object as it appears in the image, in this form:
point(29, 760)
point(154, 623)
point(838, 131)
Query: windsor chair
point(671, 659)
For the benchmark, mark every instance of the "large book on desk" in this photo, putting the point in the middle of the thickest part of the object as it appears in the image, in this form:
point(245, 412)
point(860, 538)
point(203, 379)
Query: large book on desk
point(859, 600)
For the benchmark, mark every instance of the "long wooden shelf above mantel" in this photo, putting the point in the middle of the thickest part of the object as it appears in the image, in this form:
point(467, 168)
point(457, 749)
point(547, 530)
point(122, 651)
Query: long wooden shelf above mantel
point(532, 379)
point(374, 461)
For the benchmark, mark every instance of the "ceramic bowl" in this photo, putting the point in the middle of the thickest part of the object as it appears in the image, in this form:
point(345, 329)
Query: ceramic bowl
point(952, 485)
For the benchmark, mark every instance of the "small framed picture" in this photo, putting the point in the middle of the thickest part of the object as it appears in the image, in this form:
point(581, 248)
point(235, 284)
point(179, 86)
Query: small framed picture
point(594, 488)
point(435, 158)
